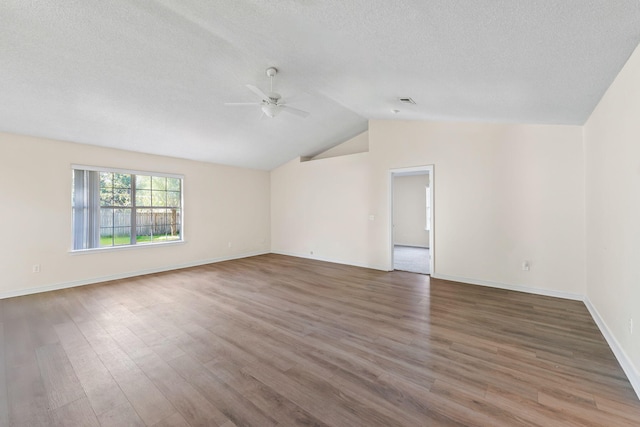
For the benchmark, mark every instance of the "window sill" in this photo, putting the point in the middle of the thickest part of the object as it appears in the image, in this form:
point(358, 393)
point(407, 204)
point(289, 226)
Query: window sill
point(125, 247)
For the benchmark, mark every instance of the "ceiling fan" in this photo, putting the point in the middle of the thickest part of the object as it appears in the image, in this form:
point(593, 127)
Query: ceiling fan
point(271, 103)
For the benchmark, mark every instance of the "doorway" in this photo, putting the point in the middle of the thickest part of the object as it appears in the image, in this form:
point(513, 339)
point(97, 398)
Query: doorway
point(412, 219)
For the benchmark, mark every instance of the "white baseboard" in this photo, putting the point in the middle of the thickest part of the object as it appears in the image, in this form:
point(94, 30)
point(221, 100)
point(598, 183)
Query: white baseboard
point(65, 285)
point(618, 351)
point(519, 288)
point(316, 258)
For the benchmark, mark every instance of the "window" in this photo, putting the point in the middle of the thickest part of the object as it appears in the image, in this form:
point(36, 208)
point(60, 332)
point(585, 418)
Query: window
point(120, 208)
point(428, 209)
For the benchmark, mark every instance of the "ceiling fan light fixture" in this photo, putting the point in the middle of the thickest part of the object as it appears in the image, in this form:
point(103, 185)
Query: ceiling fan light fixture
point(270, 110)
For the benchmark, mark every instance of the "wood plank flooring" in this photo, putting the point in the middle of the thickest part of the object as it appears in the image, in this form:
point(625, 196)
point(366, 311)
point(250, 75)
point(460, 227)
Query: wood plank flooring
point(281, 341)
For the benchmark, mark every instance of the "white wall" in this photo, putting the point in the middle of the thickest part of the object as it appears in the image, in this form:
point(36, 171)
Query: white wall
point(221, 204)
point(409, 210)
point(503, 194)
point(612, 152)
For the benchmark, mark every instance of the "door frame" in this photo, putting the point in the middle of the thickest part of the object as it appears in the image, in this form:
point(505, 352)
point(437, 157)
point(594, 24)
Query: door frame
point(415, 170)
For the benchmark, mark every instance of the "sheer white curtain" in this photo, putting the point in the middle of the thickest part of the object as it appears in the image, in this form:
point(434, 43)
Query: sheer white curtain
point(86, 209)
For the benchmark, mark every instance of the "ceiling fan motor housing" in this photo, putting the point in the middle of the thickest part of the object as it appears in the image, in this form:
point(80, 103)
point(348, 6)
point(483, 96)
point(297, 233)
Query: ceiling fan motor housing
point(274, 97)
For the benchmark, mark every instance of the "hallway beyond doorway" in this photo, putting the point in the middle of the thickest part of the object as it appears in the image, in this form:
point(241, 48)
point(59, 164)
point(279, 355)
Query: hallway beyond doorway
point(411, 259)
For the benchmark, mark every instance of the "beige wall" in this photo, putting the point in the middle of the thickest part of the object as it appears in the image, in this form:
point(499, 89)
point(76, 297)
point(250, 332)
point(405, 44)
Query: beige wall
point(409, 210)
point(612, 151)
point(320, 209)
point(357, 144)
point(503, 194)
point(221, 204)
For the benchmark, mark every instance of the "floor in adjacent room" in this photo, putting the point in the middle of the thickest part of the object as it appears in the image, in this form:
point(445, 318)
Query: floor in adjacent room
point(411, 259)
point(276, 340)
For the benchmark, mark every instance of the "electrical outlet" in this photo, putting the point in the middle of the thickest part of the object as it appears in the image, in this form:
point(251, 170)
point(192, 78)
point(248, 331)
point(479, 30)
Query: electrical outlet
point(229, 244)
point(525, 265)
point(35, 268)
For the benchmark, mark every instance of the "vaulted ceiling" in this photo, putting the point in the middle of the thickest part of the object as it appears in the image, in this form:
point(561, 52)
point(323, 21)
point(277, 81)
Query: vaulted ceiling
point(153, 76)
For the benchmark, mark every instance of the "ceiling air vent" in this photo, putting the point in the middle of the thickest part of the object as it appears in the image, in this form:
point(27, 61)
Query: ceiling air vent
point(407, 100)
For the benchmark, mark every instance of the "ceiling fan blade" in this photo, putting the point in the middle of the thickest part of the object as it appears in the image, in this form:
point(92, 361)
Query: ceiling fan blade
point(242, 104)
point(295, 111)
point(258, 92)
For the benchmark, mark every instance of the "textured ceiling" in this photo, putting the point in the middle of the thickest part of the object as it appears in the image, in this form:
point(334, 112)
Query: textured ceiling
point(152, 76)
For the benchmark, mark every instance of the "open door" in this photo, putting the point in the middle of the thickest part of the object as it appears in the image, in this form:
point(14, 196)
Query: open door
point(412, 220)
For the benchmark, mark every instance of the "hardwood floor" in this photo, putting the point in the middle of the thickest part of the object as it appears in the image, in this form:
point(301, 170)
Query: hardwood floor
point(282, 341)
